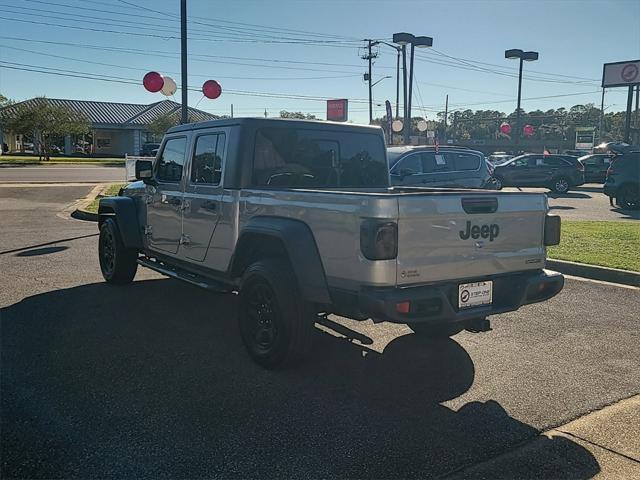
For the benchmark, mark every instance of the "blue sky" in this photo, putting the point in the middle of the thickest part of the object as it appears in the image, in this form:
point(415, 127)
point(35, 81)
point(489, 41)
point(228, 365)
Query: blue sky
point(312, 48)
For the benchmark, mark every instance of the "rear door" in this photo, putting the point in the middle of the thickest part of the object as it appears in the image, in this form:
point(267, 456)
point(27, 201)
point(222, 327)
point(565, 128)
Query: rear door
point(463, 235)
point(203, 193)
point(164, 200)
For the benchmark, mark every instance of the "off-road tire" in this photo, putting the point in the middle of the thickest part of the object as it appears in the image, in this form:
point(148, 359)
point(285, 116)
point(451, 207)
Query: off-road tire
point(276, 324)
point(437, 331)
point(117, 263)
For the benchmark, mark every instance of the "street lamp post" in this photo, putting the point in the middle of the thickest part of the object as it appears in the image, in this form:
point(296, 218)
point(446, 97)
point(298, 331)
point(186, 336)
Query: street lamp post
point(403, 39)
point(514, 54)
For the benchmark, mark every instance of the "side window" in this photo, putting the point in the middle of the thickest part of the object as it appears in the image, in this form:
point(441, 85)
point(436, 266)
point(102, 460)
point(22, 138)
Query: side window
point(522, 162)
point(435, 162)
point(463, 161)
point(171, 161)
point(411, 165)
point(207, 159)
point(552, 162)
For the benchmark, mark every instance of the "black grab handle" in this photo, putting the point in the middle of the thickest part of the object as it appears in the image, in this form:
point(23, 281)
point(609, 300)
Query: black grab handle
point(480, 205)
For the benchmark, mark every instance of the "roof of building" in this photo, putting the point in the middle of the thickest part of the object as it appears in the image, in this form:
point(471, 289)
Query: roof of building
point(114, 113)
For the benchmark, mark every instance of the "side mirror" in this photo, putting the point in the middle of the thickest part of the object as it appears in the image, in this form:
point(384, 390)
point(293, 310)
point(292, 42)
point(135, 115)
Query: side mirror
point(144, 170)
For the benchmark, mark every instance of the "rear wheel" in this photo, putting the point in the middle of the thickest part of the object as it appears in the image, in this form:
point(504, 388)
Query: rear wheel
point(117, 263)
point(498, 182)
point(560, 185)
point(437, 331)
point(629, 197)
point(276, 325)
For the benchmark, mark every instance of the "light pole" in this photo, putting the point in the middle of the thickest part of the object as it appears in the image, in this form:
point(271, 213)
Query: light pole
point(514, 54)
point(403, 39)
point(184, 117)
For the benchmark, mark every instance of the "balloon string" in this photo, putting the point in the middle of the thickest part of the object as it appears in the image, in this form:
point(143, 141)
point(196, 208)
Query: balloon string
point(201, 98)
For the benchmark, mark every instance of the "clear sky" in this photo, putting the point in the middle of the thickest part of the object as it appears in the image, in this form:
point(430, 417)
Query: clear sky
point(313, 49)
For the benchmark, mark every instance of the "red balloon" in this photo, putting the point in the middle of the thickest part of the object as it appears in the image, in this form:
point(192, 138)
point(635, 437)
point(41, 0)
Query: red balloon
point(528, 130)
point(505, 128)
point(211, 89)
point(153, 82)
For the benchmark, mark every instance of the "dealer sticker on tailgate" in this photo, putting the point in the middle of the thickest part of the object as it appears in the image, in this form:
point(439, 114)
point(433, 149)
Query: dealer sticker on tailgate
point(474, 294)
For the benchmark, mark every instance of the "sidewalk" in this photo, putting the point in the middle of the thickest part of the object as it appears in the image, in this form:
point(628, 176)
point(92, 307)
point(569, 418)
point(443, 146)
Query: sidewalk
point(610, 435)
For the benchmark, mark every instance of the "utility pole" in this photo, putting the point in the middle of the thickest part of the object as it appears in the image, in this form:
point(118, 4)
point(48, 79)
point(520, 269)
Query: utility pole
point(232, 110)
point(446, 112)
point(600, 132)
point(455, 126)
point(627, 122)
point(637, 125)
point(370, 56)
point(183, 55)
point(398, 84)
point(407, 134)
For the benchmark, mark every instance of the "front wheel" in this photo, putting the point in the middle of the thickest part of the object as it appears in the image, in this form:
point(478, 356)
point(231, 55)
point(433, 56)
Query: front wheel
point(437, 331)
point(276, 325)
point(560, 185)
point(117, 263)
point(629, 197)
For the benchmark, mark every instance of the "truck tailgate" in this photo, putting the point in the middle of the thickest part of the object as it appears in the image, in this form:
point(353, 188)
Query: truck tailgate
point(447, 236)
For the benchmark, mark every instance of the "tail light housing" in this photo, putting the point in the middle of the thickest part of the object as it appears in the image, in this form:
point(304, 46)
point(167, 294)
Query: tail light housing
point(379, 239)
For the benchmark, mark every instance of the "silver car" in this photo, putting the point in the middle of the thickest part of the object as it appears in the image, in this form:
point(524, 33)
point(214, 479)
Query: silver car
point(442, 167)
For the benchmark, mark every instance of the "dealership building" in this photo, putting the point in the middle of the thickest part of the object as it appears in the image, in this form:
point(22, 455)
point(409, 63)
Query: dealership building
point(116, 128)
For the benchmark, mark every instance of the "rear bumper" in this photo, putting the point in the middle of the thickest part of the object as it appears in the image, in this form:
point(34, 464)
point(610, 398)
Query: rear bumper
point(438, 303)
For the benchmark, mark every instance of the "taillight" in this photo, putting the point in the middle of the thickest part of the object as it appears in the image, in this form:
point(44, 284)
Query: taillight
point(379, 239)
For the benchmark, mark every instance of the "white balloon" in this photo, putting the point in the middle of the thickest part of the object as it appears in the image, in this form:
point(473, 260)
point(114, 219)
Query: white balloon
point(396, 126)
point(422, 125)
point(169, 87)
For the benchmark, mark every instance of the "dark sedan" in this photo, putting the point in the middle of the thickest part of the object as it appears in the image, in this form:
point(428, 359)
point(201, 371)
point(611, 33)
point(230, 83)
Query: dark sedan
point(555, 172)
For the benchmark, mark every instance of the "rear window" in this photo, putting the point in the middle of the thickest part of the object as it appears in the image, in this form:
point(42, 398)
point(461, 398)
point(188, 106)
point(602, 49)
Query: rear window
point(311, 158)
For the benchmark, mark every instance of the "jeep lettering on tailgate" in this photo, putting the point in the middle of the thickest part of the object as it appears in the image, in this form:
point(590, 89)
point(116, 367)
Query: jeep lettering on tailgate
point(485, 231)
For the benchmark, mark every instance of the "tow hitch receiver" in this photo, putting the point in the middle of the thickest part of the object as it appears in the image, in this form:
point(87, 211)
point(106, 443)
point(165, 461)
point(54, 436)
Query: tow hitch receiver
point(478, 325)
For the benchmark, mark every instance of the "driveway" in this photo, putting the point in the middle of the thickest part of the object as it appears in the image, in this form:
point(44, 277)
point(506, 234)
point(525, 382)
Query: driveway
point(151, 380)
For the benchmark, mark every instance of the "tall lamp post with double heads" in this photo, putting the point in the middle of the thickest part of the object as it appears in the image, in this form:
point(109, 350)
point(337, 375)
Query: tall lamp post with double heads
point(517, 54)
point(403, 39)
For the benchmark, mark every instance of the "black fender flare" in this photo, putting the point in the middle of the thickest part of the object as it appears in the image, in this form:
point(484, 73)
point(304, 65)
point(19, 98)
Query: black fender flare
point(123, 210)
point(298, 242)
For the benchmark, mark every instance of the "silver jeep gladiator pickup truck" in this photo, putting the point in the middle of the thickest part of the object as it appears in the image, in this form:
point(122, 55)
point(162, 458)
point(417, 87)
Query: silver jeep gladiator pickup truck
point(298, 218)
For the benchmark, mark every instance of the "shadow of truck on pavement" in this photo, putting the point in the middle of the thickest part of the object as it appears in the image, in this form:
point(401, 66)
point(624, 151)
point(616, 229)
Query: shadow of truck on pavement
point(151, 380)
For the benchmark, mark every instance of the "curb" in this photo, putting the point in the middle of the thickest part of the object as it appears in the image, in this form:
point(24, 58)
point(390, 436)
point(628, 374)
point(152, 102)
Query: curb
point(79, 213)
point(604, 274)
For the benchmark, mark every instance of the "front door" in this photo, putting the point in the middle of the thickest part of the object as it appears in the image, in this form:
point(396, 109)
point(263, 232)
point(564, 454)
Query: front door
point(203, 194)
point(164, 200)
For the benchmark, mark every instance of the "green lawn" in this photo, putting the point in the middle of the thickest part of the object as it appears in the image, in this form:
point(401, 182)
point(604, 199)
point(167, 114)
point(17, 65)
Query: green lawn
point(609, 244)
point(109, 192)
point(26, 159)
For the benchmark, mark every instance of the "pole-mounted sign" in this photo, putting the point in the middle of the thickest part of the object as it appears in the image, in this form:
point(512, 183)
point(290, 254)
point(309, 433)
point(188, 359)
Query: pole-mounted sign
point(621, 74)
point(337, 110)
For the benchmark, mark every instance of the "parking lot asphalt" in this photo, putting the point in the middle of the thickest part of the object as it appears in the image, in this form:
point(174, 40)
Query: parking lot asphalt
point(151, 380)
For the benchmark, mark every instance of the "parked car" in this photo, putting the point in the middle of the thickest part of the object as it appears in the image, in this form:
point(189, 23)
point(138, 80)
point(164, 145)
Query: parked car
point(148, 148)
point(499, 157)
point(622, 184)
point(297, 217)
point(443, 167)
point(595, 166)
point(555, 172)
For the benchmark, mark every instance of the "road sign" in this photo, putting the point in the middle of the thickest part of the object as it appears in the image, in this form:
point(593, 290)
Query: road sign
point(337, 110)
point(621, 74)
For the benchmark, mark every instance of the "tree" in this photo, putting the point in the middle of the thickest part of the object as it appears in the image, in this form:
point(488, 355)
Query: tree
point(160, 125)
point(46, 120)
point(4, 101)
point(300, 115)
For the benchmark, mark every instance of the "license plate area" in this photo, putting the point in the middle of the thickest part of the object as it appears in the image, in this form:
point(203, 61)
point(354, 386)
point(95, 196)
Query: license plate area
point(475, 294)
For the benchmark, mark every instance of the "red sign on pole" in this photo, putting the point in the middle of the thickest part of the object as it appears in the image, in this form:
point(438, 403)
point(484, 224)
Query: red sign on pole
point(337, 110)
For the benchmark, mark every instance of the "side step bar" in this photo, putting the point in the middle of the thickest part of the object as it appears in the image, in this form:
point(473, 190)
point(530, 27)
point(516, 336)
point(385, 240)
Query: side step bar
point(193, 279)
